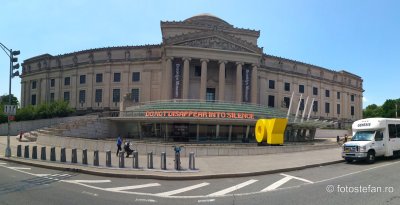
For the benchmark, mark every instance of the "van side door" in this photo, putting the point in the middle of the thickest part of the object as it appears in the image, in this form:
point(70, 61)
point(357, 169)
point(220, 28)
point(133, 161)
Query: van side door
point(379, 144)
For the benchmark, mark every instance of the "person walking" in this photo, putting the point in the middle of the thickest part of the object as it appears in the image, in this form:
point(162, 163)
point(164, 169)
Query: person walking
point(345, 138)
point(119, 143)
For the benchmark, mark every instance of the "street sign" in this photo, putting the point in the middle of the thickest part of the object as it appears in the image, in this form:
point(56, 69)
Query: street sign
point(10, 109)
point(11, 118)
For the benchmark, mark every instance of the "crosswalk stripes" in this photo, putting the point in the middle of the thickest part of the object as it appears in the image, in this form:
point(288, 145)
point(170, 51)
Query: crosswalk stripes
point(178, 191)
point(20, 168)
point(2, 163)
point(132, 187)
point(233, 188)
point(283, 181)
point(87, 181)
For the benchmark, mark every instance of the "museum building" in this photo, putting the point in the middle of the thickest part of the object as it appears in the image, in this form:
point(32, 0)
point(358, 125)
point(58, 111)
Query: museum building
point(206, 79)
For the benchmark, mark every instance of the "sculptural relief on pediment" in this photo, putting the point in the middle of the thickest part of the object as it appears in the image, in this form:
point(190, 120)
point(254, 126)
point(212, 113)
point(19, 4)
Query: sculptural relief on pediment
point(214, 43)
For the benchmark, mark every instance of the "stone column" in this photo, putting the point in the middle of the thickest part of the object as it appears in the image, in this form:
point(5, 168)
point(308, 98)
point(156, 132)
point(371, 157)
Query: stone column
point(203, 81)
point(239, 82)
point(185, 94)
point(254, 85)
point(221, 92)
point(168, 79)
point(23, 89)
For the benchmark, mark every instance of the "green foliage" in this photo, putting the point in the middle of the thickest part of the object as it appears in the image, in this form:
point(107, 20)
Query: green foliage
point(387, 110)
point(42, 111)
point(3, 116)
point(4, 100)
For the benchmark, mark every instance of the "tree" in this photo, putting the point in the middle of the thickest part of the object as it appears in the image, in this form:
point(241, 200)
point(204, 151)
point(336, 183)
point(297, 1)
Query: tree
point(373, 111)
point(4, 100)
point(388, 109)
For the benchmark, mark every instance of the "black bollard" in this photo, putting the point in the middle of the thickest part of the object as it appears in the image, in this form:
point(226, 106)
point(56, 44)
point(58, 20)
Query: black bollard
point(53, 154)
point(63, 157)
point(34, 152)
point(26, 152)
point(84, 156)
point(108, 158)
point(19, 151)
point(96, 158)
point(74, 156)
point(43, 153)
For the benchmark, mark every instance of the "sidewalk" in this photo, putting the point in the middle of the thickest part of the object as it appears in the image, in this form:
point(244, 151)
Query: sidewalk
point(206, 167)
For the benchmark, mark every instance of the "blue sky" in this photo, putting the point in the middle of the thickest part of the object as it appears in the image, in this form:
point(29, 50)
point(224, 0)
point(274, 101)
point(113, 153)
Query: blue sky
point(359, 36)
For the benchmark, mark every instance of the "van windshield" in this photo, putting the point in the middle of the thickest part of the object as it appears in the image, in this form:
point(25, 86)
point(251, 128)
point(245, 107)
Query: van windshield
point(363, 136)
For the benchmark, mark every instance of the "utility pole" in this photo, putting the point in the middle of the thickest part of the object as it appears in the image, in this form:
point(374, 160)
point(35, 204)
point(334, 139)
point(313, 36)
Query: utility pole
point(13, 59)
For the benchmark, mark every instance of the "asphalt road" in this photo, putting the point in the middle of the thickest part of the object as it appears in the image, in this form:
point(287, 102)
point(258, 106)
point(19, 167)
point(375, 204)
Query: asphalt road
point(342, 183)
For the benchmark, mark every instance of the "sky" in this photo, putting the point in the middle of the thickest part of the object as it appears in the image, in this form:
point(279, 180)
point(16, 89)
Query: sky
point(359, 36)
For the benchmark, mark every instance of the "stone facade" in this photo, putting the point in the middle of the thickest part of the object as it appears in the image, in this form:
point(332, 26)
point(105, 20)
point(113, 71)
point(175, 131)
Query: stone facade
point(201, 58)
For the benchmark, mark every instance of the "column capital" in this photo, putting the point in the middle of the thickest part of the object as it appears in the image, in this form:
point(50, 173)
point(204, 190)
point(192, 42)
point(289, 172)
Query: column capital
point(240, 63)
point(204, 60)
point(222, 61)
point(254, 65)
point(169, 58)
point(186, 59)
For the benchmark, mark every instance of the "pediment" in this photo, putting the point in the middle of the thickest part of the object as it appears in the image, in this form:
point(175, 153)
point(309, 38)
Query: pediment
point(213, 40)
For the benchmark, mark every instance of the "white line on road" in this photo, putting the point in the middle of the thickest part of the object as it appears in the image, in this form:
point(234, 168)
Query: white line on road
point(132, 187)
point(146, 200)
point(277, 184)
point(205, 200)
point(89, 193)
point(60, 175)
point(41, 175)
point(87, 181)
point(20, 168)
point(233, 188)
point(298, 178)
point(2, 163)
point(178, 191)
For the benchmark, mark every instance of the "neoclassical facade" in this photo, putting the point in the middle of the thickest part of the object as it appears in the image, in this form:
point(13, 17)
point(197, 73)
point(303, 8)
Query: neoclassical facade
point(202, 58)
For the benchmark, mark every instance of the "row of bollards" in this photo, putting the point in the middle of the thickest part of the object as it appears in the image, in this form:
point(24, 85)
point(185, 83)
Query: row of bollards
point(121, 157)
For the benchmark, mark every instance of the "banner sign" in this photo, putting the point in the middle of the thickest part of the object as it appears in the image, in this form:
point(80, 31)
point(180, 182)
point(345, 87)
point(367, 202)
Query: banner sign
point(246, 86)
point(177, 78)
point(199, 114)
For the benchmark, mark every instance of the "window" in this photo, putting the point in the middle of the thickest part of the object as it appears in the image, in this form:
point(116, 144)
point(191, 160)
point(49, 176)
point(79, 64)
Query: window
point(398, 130)
point(99, 77)
point(352, 98)
point(271, 84)
point(67, 81)
point(286, 102)
point(34, 84)
point(82, 79)
point(117, 77)
point(301, 105)
point(116, 95)
point(327, 93)
point(197, 71)
point(338, 95)
point(392, 131)
point(135, 76)
point(82, 96)
point(271, 101)
point(327, 107)
point(315, 106)
point(99, 95)
point(352, 110)
point(301, 88)
point(51, 97)
point(287, 86)
point(210, 94)
point(338, 109)
point(52, 82)
point(135, 95)
point(315, 91)
point(33, 100)
point(66, 96)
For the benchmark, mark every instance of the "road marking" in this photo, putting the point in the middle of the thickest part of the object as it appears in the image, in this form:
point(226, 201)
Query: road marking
point(146, 200)
point(132, 187)
point(283, 181)
point(87, 181)
point(60, 175)
point(233, 188)
point(2, 163)
point(178, 191)
point(89, 193)
point(41, 175)
point(277, 184)
point(20, 168)
point(205, 200)
point(298, 178)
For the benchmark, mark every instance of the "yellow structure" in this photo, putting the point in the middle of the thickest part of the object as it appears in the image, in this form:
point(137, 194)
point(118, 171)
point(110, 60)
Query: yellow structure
point(271, 130)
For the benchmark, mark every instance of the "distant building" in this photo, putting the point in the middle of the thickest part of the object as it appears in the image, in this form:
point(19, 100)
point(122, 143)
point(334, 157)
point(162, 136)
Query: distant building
point(202, 58)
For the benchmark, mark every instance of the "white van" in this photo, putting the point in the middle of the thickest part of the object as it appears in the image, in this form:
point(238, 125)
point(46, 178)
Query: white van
point(373, 137)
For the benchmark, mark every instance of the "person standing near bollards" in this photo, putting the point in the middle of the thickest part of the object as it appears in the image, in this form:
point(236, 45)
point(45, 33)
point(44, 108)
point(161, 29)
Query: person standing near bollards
point(119, 143)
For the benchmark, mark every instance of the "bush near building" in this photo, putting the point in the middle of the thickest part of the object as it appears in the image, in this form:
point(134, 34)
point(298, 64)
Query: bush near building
point(43, 111)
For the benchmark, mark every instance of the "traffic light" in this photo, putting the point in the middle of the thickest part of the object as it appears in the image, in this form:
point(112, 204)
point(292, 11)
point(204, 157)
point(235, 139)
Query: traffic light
point(14, 59)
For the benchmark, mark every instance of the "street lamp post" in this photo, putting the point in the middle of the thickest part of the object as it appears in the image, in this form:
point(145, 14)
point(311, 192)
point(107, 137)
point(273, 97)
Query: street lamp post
point(13, 59)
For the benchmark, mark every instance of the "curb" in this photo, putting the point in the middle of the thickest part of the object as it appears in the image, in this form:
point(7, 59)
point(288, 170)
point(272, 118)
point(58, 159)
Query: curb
point(99, 172)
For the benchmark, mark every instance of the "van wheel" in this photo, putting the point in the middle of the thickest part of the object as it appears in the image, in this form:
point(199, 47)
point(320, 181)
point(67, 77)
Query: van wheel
point(370, 157)
point(348, 160)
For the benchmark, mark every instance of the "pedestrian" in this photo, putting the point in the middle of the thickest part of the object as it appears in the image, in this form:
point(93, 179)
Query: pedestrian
point(20, 135)
point(127, 148)
point(119, 143)
point(345, 138)
point(337, 139)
